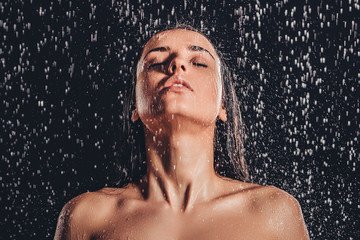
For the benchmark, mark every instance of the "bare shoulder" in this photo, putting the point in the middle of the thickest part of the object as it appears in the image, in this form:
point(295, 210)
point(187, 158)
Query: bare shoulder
point(85, 214)
point(279, 212)
point(272, 209)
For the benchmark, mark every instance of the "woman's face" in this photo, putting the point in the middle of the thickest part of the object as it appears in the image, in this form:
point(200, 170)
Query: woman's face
point(178, 78)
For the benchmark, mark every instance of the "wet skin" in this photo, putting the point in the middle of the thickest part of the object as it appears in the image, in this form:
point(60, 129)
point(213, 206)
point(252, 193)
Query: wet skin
point(242, 211)
point(181, 196)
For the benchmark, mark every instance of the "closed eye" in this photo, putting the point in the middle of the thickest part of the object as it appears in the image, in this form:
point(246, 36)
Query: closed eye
point(163, 63)
point(199, 64)
point(156, 64)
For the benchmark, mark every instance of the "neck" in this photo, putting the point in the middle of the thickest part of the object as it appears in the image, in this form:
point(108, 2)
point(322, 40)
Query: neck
point(180, 167)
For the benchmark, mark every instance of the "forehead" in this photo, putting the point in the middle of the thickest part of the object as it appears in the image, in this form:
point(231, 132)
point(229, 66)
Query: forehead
point(176, 38)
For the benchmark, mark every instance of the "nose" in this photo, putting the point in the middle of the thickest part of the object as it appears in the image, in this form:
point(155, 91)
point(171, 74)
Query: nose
point(177, 65)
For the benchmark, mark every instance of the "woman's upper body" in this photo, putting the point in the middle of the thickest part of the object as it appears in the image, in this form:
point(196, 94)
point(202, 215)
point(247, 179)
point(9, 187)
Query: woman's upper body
point(179, 97)
point(240, 211)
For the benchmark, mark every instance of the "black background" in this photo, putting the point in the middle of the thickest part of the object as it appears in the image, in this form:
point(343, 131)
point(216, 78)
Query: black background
point(64, 66)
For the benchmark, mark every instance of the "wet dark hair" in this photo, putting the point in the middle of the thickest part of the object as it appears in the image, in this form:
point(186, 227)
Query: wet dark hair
point(229, 136)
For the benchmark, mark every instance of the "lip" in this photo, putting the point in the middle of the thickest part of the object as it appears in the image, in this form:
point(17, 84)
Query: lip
point(169, 83)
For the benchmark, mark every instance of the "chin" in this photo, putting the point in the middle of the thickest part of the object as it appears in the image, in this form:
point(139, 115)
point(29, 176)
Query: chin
point(184, 108)
point(178, 106)
point(182, 114)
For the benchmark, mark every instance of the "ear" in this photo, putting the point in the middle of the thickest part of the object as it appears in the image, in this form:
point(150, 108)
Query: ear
point(222, 113)
point(134, 115)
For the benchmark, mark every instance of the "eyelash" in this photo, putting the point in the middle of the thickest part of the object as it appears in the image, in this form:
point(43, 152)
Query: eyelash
point(156, 64)
point(193, 63)
point(199, 64)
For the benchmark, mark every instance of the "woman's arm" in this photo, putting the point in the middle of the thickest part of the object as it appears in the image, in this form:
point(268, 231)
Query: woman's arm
point(73, 222)
point(63, 225)
point(287, 221)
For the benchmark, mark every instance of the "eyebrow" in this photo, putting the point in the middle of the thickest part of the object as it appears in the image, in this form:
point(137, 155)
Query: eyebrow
point(191, 48)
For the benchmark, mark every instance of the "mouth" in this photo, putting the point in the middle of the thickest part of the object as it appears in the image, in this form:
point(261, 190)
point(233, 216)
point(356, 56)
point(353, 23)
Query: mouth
point(176, 84)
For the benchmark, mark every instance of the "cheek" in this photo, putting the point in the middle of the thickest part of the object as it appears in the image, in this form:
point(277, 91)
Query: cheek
point(144, 92)
point(218, 91)
point(141, 93)
point(213, 92)
point(209, 101)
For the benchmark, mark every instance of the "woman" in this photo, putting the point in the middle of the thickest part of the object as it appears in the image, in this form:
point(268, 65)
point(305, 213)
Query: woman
point(180, 97)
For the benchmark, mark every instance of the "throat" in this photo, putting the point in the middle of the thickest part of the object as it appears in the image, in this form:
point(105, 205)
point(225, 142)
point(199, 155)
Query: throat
point(179, 196)
point(180, 169)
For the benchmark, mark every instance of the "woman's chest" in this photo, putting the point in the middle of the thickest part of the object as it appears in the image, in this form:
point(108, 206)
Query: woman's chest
point(202, 225)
